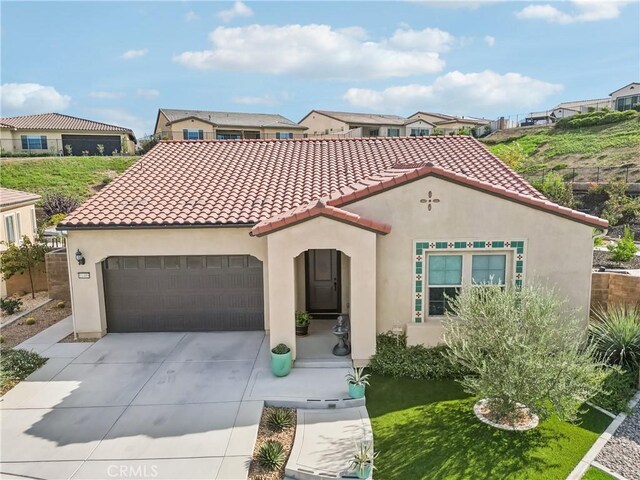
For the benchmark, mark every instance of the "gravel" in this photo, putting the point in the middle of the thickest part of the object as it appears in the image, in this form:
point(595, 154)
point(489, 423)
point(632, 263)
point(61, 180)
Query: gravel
point(622, 452)
point(28, 303)
point(601, 259)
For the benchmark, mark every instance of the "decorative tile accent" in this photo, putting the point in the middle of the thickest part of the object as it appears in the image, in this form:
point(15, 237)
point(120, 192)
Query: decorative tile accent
point(423, 247)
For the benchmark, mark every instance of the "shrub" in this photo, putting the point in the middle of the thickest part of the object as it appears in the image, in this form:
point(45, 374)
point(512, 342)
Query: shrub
point(54, 203)
point(615, 336)
point(57, 218)
point(395, 359)
point(619, 208)
point(15, 365)
point(100, 149)
point(22, 258)
point(30, 321)
point(10, 305)
point(271, 455)
point(60, 304)
point(617, 389)
point(602, 117)
point(280, 419)
point(624, 250)
point(302, 319)
point(556, 189)
point(521, 346)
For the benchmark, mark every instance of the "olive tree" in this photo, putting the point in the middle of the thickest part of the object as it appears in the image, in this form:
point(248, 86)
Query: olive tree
point(522, 347)
point(22, 258)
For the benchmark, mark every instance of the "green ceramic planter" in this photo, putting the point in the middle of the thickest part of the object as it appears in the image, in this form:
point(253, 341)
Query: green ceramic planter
point(366, 472)
point(281, 364)
point(356, 391)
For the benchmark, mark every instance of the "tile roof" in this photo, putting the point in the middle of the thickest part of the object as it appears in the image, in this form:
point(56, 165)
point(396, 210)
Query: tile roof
point(362, 118)
point(15, 197)
point(58, 121)
point(232, 119)
point(317, 208)
point(445, 118)
point(244, 182)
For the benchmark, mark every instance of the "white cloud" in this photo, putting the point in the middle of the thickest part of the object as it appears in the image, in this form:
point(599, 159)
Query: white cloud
point(129, 54)
point(239, 9)
point(117, 116)
point(147, 93)
point(190, 16)
point(32, 98)
point(489, 40)
point(458, 92)
point(266, 100)
point(320, 51)
point(107, 95)
point(583, 11)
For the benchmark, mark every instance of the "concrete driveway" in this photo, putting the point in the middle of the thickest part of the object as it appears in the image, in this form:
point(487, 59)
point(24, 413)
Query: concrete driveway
point(153, 405)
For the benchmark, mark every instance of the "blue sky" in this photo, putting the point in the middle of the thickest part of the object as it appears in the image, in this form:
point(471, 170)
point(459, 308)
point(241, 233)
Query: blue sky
point(119, 62)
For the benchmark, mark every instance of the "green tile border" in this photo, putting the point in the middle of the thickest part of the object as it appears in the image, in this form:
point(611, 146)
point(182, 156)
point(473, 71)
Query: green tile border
point(422, 247)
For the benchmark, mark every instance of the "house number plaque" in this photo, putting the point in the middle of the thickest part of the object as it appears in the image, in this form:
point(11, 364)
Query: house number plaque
point(84, 275)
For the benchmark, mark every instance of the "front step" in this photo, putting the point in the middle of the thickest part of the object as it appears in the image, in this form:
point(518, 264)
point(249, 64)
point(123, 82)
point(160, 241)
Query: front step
point(317, 404)
point(336, 362)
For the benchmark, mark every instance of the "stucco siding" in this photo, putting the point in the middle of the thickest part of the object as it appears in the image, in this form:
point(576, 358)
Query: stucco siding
point(12, 140)
point(319, 124)
point(88, 294)
point(558, 251)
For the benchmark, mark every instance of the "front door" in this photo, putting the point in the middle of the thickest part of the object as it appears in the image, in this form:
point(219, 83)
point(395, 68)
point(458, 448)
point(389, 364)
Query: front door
point(323, 281)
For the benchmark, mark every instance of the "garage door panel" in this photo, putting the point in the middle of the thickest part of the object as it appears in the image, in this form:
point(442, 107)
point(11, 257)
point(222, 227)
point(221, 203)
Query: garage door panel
point(189, 293)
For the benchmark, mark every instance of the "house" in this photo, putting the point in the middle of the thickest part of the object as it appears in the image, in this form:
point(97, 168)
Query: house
point(626, 98)
point(174, 124)
point(565, 110)
point(63, 135)
point(347, 124)
point(451, 124)
point(239, 235)
point(18, 219)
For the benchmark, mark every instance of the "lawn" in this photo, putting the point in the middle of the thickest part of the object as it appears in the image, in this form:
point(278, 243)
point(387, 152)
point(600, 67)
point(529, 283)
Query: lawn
point(74, 176)
point(427, 430)
point(596, 474)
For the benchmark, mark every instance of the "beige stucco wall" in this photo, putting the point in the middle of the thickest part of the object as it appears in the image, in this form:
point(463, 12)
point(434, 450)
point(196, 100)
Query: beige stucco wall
point(358, 244)
point(190, 124)
point(27, 227)
point(210, 130)
point(318, 124)
point(558, 251)
point(87, 294)
point(633, 89)
point(11, 140)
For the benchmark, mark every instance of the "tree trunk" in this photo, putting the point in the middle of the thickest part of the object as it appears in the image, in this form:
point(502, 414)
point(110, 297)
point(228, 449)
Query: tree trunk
point(33, 293)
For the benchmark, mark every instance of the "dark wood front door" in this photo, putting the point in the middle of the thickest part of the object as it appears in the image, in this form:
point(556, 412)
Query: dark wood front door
point(323, 281)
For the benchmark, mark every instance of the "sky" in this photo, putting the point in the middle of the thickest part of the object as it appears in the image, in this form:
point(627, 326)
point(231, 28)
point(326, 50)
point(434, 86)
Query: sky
point(119, 62)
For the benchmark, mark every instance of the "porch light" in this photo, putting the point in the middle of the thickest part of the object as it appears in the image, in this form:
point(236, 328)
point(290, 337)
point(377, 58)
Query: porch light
point(79, 257)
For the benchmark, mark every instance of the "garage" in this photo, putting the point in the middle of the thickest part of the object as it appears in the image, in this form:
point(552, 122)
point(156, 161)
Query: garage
point(183, 293)
point(89, 143)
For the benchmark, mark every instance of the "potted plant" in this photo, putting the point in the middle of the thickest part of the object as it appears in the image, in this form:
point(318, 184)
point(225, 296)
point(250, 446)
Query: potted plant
point(302, 323)
point(281, 360)
point(357, 380)
point(362, 462)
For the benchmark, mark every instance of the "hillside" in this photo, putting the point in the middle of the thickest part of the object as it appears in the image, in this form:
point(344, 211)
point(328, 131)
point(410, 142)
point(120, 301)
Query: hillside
point(610, 148)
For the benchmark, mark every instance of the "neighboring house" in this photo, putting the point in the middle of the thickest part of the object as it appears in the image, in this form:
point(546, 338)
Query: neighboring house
point(565, 110)
point(354, 125)
point(205, 125)
point(52, 132)
point(238, 235)
point(626, 98)
point(451, 124)
point(18, 219)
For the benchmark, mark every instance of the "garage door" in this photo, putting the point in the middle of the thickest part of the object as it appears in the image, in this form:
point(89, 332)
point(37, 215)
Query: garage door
point(89, 143)
point(183, 293)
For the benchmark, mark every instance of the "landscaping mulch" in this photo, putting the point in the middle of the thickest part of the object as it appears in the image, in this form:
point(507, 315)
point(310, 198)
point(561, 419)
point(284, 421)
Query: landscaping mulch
point(601, 259)
point(44, 316)
point(285, 437)
point(28, 303)
point(69, 339)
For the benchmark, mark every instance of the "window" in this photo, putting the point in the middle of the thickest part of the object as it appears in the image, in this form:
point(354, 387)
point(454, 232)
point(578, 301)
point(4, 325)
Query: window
point(374, 133)
point(18, 227)
point(34, 142)
point(627, 103)
point(192, 134)
point(194, 262)
point(393, 132)
point(419, 132)
point(284, 135)
point(445, 280)
point(9, 225)
point(488, 269)
point(34, 221)
point(172, 262)
point(152, 263)
point(228, 136)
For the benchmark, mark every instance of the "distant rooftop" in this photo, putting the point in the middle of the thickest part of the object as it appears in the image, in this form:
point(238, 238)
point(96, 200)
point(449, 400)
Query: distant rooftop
point(362, 118)
point(58, 121)
point(232, 119)
point(10, 197)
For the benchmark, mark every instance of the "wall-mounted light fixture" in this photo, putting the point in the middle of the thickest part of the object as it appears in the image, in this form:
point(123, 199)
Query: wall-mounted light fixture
point(79, 257)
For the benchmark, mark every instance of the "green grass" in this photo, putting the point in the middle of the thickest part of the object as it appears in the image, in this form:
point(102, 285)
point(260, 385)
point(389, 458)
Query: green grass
point(596, 474)
point(607, 145)
point(72, 176)
point(426, 429)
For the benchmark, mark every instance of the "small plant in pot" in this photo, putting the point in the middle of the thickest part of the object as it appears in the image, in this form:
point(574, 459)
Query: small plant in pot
point(281, 360)
point(362, 462)
point(357, 380)
point(303, 319)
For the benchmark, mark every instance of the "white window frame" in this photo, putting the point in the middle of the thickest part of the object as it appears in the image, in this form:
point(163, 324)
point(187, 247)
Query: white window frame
point(34, 221)
point(467, 263)
point(18, 228)
point(7, 218)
